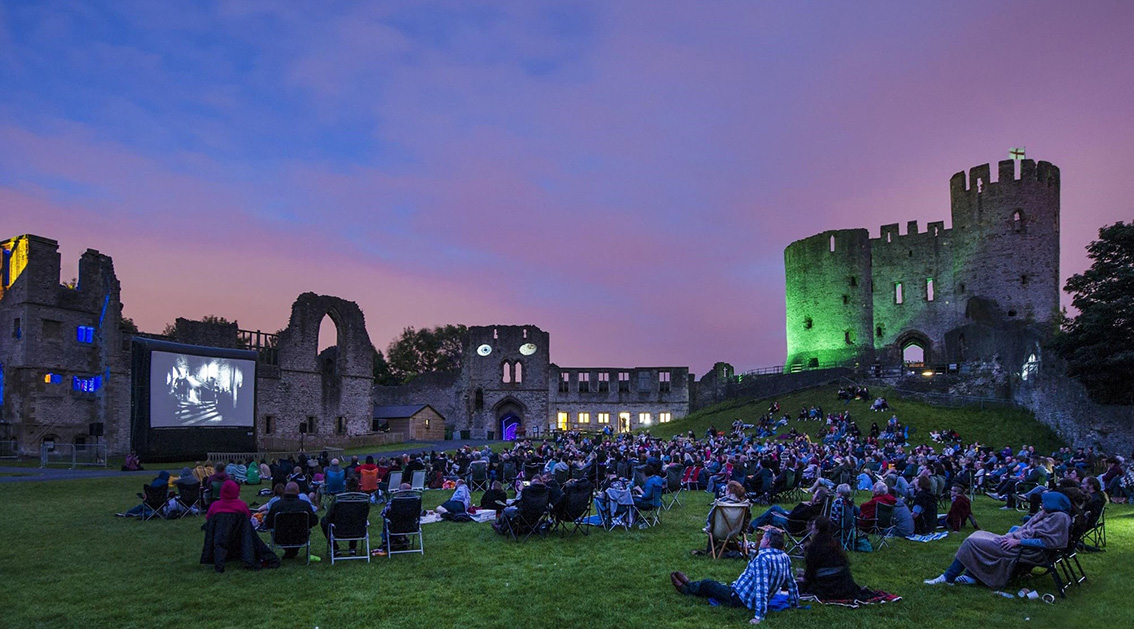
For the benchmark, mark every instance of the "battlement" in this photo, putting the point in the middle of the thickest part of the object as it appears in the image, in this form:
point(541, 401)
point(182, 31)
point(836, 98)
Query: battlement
point(979, 178)
point(890, 231)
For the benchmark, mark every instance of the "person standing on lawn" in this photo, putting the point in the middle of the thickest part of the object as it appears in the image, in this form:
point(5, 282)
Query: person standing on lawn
point(766, 574)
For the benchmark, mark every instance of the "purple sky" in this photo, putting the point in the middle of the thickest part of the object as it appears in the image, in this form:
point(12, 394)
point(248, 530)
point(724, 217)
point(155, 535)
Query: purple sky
point(623, 175)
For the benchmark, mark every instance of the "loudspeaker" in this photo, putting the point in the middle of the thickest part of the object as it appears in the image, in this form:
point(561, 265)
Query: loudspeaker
point(96, 429)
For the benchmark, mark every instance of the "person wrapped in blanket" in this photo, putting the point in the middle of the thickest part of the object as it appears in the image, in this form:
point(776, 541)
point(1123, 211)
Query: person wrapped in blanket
point(990, 559)
point(767, 573)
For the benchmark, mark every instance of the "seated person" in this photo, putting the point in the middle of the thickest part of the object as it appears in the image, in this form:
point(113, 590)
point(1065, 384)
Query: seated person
point(460, 500)
point(843, 511)
point(767, 572)
point(867, 512)
point(142, 510)
point(229, 501)
point(333, 517)
point(530, 499)
point(826, 572)
point(649, 496)
point(960, 511)
point(795, 521)
point(186, 484)
point(133, 463)
point(252, 473)
point(495, 499)
point(734, 494)
point(290, 503)
point(903, 519)
point(991, 559)
point(925, 508)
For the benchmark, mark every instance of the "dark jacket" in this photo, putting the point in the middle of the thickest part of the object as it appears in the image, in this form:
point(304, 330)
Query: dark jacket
point(230, 536)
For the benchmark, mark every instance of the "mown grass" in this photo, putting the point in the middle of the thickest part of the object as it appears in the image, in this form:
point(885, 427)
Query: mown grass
point(69, 562)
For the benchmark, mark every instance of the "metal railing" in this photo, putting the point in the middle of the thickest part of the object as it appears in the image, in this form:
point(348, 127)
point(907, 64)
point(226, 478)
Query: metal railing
point(9, 449)
point(73, 455)
point(269, 455)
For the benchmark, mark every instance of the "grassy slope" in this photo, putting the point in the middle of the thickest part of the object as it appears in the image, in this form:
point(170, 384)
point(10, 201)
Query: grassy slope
point(70, 563)
point(994, 426)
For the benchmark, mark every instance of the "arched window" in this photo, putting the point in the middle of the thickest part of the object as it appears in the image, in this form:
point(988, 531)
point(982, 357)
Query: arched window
point(507, 372)
point(519, 372)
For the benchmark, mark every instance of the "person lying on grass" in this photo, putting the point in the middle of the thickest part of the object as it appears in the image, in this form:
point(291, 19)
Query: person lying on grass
point(991, 559)
point(767, 573)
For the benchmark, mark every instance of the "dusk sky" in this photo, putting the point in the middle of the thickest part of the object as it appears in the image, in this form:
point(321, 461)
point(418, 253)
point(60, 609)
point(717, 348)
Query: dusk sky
point(625, 175)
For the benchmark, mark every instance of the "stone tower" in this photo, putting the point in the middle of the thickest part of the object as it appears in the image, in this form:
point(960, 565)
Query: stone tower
point(505, 371)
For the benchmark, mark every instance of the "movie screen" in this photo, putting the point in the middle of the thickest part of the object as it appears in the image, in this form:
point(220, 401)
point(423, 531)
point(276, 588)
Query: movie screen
point(188, 391)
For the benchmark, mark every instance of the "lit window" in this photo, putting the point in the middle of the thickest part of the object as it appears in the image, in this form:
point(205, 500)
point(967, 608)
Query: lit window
point(929, 289)
point(52, 378)
point(584, 418)
point(604, 418)
point(86, 385)
point(584, 382)
point(645, 419)
point(84, 334)
point(664, 418)
point(561, 420)
point(624, 422)
point(898, 297)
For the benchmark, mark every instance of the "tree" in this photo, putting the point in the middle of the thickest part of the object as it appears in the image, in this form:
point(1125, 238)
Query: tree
point(426, 350)
point(382, 373)
point(1098, 344)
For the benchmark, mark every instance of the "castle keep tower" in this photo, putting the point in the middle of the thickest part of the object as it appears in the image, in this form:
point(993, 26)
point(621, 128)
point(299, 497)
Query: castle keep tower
point(996, 268)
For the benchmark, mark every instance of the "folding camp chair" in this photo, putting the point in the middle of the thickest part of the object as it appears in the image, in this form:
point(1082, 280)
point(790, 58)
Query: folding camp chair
point(881, 529)
point(842, 519)
point(620, 509)
point(728, 522)
point(418, 483)
point(189, 500)
point(508, 473)
point(155, 500)
point(394, 483)
point(402, 520)
point(673, 485)
point(576, 507)
point(531, 514)
point(531, 470)
point(1095, 536)
point(290, 530)
point(562, 476)
point(350, 525)
point(691, 478)
point(478, 476)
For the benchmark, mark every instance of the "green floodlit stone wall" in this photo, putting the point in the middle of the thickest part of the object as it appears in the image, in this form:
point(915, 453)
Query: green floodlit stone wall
point(1003, 248)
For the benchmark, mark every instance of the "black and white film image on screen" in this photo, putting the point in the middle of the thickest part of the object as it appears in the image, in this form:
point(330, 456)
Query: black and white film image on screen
point(189, 391)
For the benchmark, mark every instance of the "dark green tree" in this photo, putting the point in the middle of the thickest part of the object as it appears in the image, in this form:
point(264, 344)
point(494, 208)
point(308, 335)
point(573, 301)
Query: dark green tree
point(1098, 344)
point(426, 350)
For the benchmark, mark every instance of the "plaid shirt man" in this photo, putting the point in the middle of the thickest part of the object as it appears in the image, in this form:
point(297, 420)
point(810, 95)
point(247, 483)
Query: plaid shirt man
point(768, 572)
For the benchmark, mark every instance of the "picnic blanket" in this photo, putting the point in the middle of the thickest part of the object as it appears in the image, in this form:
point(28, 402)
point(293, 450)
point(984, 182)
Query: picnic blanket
point(865, 597)
point(932, 537)
point(481, 516)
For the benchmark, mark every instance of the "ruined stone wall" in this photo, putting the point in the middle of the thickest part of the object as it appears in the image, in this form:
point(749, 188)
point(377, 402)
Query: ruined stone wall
point(331, 394)
point(42, 352)
point(650, 390)
point(1061, 403)
point(444, 391)
point(828, 298)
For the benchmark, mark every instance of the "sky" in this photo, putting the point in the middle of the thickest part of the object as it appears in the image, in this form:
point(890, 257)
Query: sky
point(624, 175)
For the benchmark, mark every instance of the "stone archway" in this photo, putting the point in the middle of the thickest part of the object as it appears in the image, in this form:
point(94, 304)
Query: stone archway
point(509, 413)
point(908, 344)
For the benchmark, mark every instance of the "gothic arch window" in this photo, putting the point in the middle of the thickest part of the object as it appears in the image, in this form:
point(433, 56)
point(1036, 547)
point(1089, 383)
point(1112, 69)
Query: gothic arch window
point(507, 377)
point(519, 373)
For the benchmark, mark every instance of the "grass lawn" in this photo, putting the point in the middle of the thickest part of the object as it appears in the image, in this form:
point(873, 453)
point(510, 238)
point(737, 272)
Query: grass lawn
point(69, 562)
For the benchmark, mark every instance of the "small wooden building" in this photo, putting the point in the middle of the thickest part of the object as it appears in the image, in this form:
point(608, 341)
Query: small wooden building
point(418, 422)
